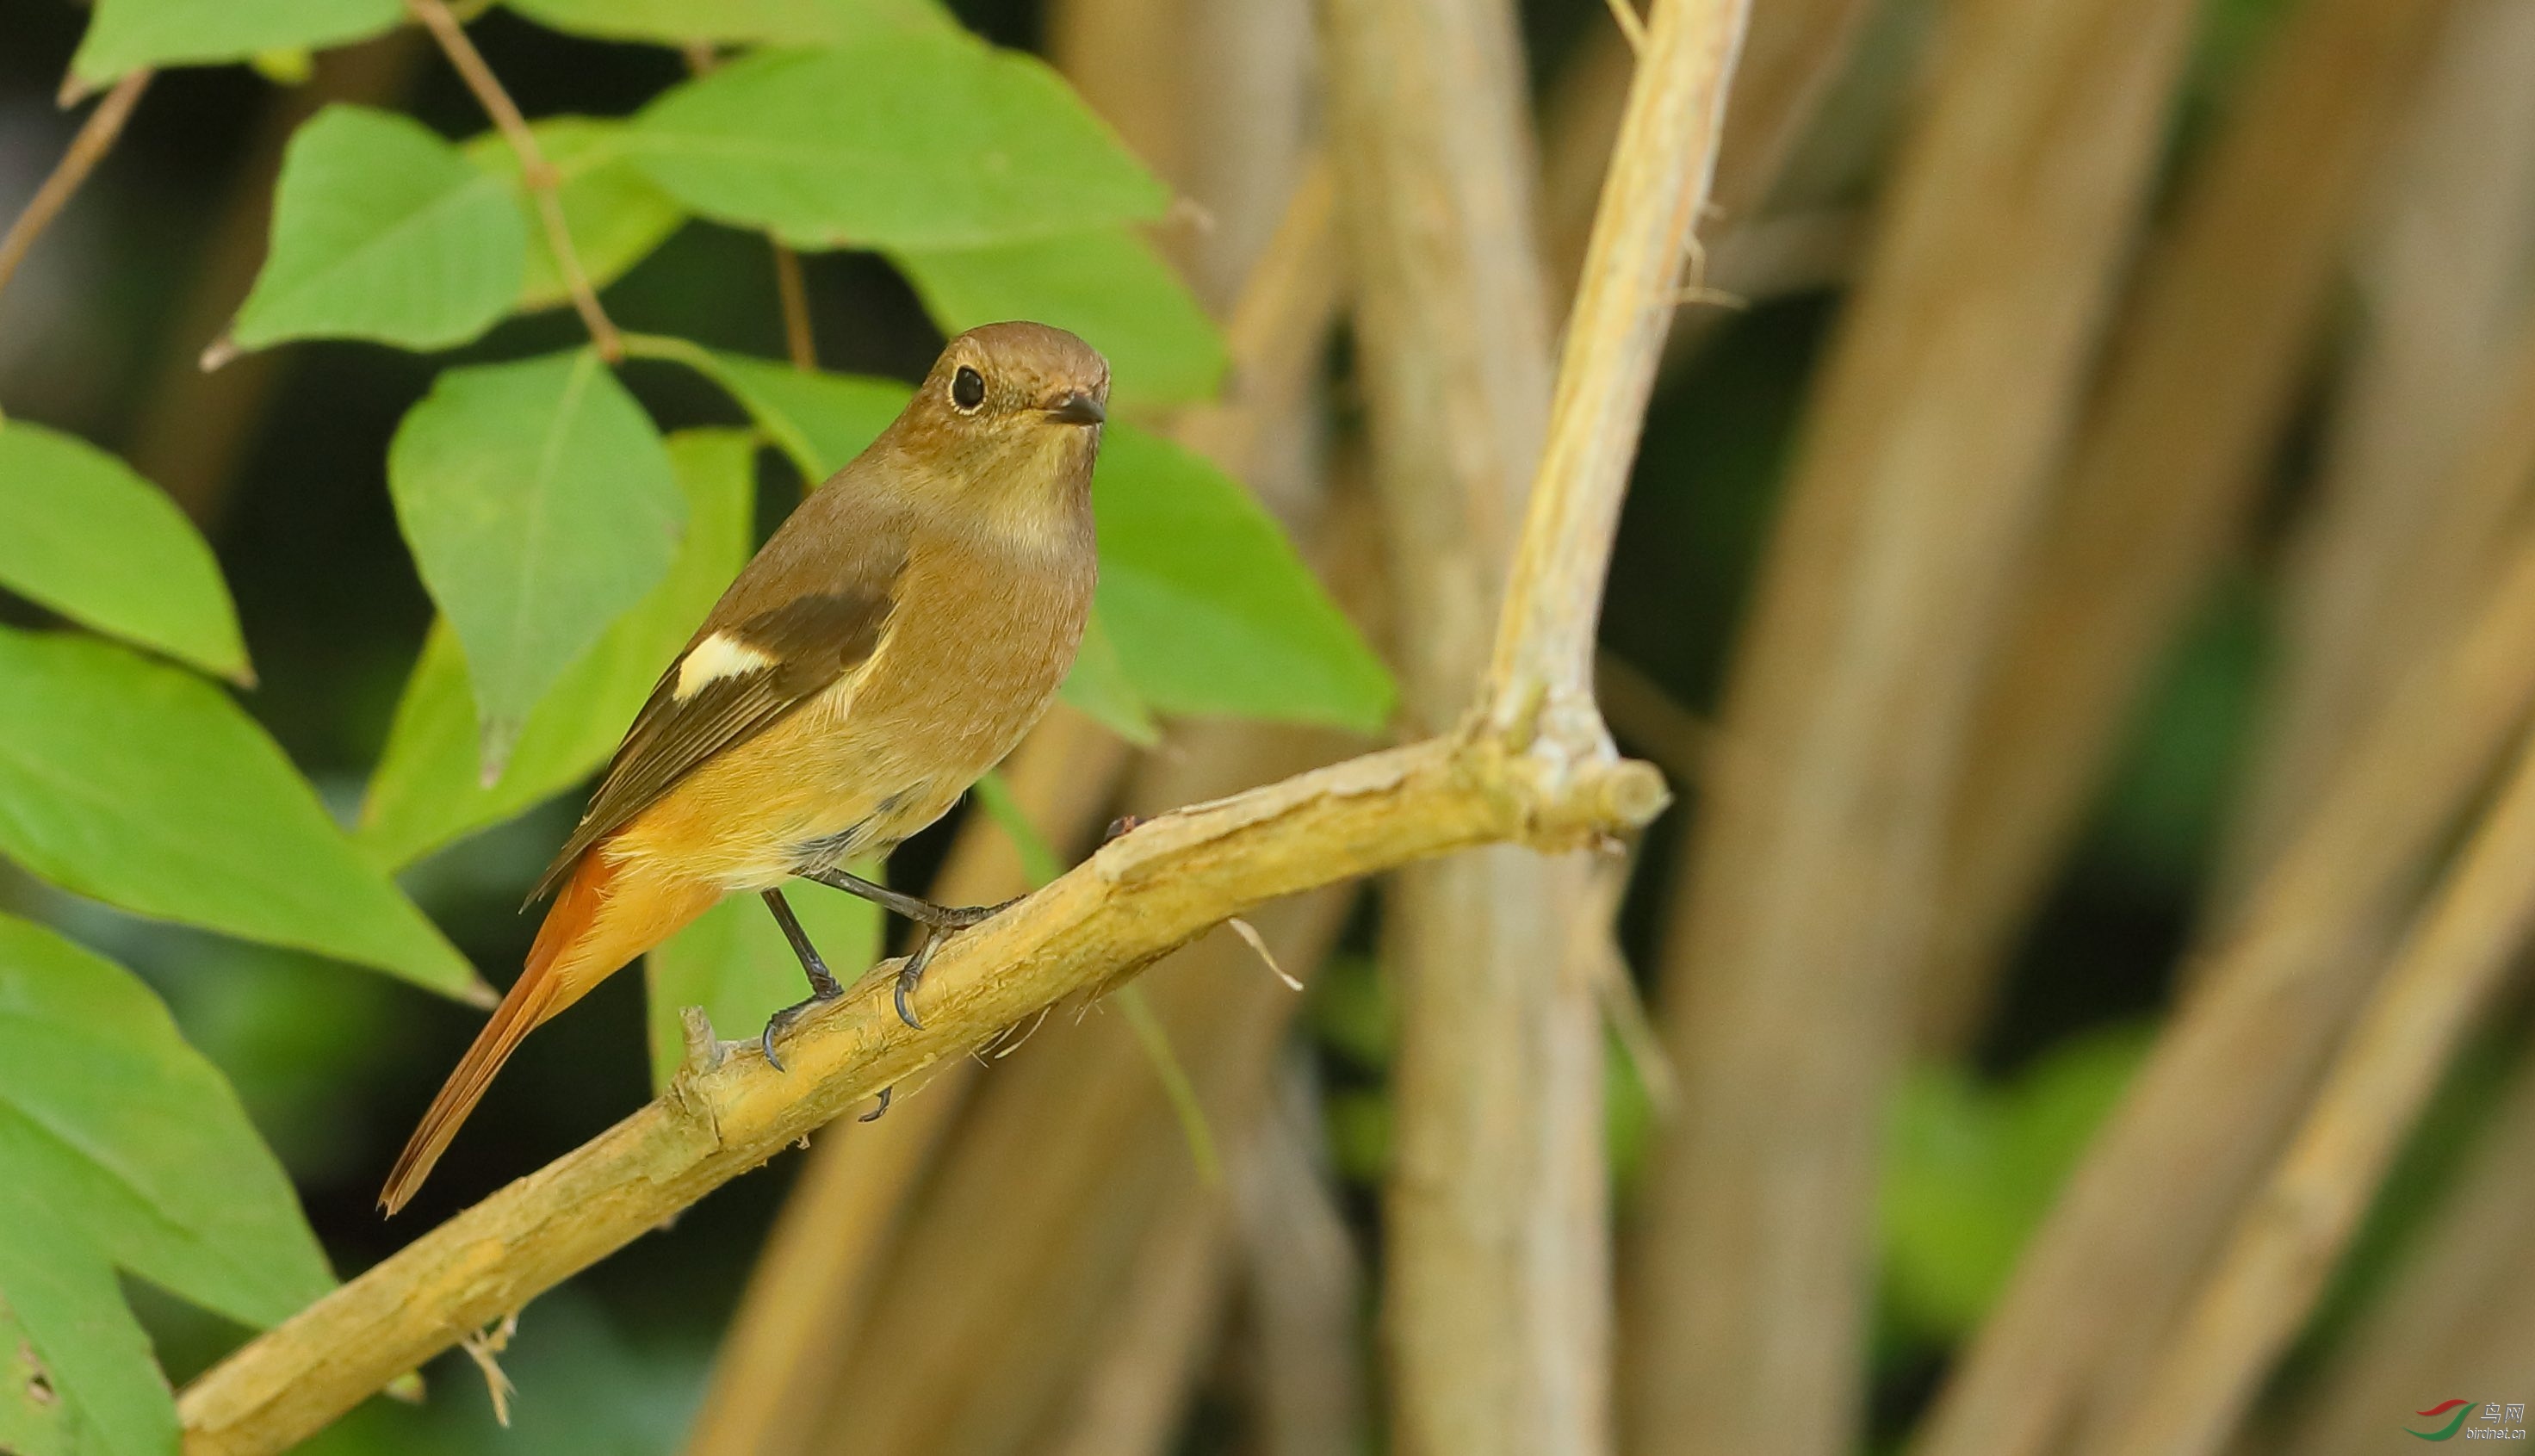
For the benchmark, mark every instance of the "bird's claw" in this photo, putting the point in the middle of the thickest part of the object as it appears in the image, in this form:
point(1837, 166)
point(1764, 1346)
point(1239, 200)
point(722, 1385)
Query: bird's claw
point(781, 1022)
point(950, 921)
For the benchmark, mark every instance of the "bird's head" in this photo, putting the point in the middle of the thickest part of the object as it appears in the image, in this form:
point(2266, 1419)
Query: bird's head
point(1013, 411)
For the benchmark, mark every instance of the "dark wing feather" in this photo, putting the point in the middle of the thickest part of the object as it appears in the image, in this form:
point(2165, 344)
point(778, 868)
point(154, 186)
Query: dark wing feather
point(814, 639)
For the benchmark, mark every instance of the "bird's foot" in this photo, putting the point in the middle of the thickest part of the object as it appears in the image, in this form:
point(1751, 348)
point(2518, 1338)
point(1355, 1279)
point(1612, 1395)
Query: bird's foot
point(939, 925)
point(782, 1021)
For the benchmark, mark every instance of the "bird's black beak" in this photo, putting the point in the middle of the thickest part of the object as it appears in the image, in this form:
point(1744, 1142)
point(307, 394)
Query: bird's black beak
point(1078, 409)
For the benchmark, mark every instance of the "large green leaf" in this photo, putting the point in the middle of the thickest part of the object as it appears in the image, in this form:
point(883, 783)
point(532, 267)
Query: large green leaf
point(903, 139)
point(144, 786)
point(615, 213)
point(125, 34)
point(743, 21)
point(428, 791)
point(736, 964)
point(120, 1147)
point(1209, 607)
point(1107, 285)
point(82, 534)
point(1099, 686)
point(820, 421)
point(1213, 611)
point(539, 502)
point(382, 230)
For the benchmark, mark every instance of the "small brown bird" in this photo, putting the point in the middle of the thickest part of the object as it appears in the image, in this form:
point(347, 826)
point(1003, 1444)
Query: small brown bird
point(891, 642)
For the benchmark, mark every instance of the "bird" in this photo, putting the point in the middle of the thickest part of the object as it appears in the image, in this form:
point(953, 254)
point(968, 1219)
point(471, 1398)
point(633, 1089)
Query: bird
point(888, 644)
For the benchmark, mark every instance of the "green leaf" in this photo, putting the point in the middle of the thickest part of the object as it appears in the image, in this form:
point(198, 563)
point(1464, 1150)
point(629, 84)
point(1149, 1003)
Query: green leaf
point(905, 139)
point(1213, 611)
point(1108, 285)
point(820, 421)
point(126, 35)
point(541, 504)
point(144, 786)
point(427, 792)
point(737, 21)
point(382, 230)
point(615, 213)
point(1210, 610)
point(82, 534)
point(1039, 864)
point(36, 1420)
point(735, 963)
point(1971, 1169)
point(1099, 686)
point(121, 1148)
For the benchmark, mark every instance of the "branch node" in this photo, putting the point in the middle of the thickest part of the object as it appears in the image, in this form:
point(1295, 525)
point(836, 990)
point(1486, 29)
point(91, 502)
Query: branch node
point(704, 1050)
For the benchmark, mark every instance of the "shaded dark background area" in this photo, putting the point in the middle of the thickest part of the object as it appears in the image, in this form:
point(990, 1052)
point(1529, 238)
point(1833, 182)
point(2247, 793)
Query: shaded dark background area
point(98, 336)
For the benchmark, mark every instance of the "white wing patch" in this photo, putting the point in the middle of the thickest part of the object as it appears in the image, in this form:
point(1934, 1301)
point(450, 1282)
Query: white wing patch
point(718, 656)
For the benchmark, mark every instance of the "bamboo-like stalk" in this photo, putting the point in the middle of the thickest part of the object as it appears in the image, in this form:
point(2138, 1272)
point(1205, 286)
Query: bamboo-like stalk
point(1129, 1400)
point(2454, 1316)
point(2164, 469)
point(2388, 563)
point(1495, 1305)
point(2174, 1163)
point(2293, 1230)
point(805, 1302)
point(1804, 898)
point(1069, 1175)
point(1303, 1286)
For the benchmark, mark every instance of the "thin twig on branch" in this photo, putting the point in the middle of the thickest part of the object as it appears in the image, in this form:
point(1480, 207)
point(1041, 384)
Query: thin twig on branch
point(95, 138)
point(1541, 682)
point(535, 172)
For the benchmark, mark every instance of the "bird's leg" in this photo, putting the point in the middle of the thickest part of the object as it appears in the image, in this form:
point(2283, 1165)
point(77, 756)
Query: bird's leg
point(822, 982)
point(935, 922)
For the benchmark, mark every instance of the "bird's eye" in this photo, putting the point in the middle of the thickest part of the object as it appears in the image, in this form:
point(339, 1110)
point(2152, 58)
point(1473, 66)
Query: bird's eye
point(968, 390)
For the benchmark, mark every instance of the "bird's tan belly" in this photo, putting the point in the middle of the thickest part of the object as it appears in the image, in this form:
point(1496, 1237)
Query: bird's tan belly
point(838, 779)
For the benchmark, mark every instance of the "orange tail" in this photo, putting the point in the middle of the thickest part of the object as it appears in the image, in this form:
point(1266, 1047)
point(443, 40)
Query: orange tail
point(586, 938)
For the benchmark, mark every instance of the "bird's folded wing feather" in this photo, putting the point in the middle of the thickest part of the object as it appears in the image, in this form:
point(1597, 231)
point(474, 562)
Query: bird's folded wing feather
point(732, 683)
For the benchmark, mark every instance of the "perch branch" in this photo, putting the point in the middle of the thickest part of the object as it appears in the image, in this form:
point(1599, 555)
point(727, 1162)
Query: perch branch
point(535, 172)
point(1141, 896)
point(96, 137)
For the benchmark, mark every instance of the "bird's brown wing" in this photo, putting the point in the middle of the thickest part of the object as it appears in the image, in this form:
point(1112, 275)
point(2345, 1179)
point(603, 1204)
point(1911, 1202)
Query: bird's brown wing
point(810, 641)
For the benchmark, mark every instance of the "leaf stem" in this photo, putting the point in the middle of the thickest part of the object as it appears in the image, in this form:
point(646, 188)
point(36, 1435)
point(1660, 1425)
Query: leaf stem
point(96, 137)
point(799, 343)
point(536, 171)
